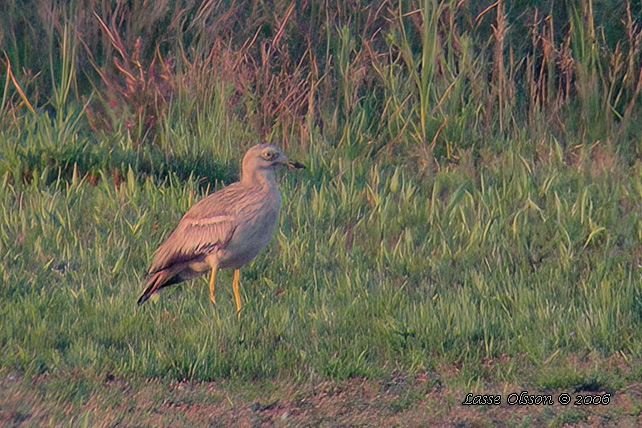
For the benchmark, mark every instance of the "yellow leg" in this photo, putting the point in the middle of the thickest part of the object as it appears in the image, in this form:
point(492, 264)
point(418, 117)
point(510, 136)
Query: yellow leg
point(212, 278)
point(235, 285)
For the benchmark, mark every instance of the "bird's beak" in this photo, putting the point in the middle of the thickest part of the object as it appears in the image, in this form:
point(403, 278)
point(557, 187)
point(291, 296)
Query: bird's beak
point(291, 164)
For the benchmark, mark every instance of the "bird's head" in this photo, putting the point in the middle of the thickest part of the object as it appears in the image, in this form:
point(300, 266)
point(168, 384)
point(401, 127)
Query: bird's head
point(263, 159)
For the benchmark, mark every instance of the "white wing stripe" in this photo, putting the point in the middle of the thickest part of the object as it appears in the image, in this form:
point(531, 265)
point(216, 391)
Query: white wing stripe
point(208, 221)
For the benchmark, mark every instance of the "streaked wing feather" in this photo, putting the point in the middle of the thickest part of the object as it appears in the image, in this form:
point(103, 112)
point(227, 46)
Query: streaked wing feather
point(205, 227)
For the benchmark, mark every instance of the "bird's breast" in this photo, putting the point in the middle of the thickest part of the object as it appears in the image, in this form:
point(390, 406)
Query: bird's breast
point(254, 229)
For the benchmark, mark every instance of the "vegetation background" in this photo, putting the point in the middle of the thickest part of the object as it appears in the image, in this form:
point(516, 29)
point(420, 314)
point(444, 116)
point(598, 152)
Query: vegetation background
point(470, 220)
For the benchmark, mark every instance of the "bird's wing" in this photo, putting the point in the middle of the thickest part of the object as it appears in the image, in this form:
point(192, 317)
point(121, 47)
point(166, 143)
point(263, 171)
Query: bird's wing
point(207, 226)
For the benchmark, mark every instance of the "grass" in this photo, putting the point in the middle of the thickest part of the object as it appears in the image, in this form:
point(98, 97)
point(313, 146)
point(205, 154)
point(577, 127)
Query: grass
point(470, 218)
point(370, 271)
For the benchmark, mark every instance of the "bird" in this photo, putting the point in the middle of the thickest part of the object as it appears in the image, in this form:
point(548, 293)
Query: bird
point(226, 229)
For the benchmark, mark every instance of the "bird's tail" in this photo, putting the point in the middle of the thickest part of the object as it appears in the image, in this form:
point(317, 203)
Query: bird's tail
point(155, 282)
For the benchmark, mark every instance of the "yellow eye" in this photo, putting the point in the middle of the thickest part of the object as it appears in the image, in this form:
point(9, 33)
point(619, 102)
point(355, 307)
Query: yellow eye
point(269, 155)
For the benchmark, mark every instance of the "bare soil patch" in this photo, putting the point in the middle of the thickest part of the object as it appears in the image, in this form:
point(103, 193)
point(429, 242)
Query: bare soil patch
point(113, 401)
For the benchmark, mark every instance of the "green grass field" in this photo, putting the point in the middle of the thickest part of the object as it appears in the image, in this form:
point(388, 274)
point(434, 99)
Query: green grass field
point(470, 219)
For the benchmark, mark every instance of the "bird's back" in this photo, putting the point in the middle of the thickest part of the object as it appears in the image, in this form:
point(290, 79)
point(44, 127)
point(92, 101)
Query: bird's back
point(236, 220)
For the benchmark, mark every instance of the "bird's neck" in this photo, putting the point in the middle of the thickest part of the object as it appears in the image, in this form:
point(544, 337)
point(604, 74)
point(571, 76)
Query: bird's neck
point(263, 179)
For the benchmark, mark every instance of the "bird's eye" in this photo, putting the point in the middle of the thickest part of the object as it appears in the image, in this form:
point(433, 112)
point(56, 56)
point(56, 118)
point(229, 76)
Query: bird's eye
point(269, 155)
